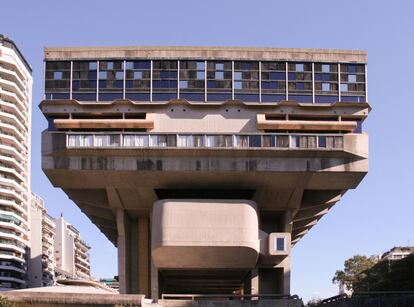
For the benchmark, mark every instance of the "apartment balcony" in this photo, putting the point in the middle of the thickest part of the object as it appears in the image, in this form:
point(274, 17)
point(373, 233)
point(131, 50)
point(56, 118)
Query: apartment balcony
point(15, 205)
point(11, 74)
point(12, 109)
point(10, 95)
point(11, 170)
point(12, 87)
point(12, 256)
point(15, 155)
point(13, 267)
point(9, 234)
point(11, 117)
point(11, 66)
point(13, 279)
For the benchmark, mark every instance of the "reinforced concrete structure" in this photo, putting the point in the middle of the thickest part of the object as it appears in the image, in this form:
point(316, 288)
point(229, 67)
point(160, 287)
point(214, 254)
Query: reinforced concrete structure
point(15, 113)
point(204, 165)
point(71, 252)
point(41, 269)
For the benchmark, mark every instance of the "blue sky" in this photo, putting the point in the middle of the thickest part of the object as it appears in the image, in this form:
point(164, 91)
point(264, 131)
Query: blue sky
point(369, 220)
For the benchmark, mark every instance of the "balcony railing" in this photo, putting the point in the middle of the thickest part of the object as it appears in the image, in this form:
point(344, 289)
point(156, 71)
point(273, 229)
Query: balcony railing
point(205, 141)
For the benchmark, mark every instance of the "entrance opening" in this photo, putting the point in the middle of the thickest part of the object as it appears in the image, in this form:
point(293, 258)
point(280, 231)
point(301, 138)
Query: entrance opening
point(201, 281)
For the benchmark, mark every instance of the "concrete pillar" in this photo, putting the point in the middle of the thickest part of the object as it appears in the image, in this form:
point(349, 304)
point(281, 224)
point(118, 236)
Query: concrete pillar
point(143, 256)
point(123, 226)
point(254, 282)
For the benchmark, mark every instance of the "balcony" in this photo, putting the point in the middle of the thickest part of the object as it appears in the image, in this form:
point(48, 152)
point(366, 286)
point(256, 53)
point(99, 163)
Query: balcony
point(206, 141)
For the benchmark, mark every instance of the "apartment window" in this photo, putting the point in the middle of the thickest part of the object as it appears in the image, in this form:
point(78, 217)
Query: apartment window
point(326, 87)
point(57, 75)
point(344, 87)
point(110, 65)
point(238, 85)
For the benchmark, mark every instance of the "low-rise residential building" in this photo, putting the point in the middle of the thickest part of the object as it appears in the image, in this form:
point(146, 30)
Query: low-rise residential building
point(397, 253)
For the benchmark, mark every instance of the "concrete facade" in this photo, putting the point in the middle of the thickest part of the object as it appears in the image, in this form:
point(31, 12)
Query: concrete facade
point(15, 121)
point(71, 253)
point(204, 165)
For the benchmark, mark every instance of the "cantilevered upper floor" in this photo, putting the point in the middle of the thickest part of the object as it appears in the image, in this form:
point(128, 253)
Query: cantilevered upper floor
point(205, 74)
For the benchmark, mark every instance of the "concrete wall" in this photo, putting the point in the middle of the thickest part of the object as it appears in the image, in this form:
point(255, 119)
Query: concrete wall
point(35, 261)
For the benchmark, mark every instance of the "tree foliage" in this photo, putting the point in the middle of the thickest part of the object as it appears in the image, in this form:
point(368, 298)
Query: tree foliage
point(363, 274)
point(4, 302)
point(354, 273)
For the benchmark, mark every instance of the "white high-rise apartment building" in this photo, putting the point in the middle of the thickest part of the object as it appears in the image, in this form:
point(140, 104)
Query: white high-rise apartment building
point(71, 252)
point(15, 119)
point(41, 270)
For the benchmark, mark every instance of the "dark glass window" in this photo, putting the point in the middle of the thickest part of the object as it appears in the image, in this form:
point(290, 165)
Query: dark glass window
point(138, 80)
point(111, 75)
point(326, 82)
point(164, 78)
point(280, 244)
point(353, 82)
point(246, 80)
point(84, 80)
point(57, 79)
point(273, 81)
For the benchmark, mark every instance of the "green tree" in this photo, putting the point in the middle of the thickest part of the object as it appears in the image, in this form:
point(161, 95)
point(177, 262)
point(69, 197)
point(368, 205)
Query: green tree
point(353, 276)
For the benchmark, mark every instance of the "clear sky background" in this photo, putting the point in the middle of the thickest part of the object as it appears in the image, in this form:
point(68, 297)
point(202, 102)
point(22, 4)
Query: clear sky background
point(376, 216)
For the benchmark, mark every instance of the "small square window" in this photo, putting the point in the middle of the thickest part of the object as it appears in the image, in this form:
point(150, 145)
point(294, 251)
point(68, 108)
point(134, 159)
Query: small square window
point(200, 65)
point(300, 85)
point(326, 68)
point(352, 78)
point(129, 65)
point(103, 75)
point(300, 67)
point(183, 84)
point(119, 75)
point(93, 65)
point(344, 87)
point(219, 66)
point(57, 75)
point(280, 244)
point(137, 75)
point(200, 75)
point(219, 75)
point(238, 85)
point(238, 75)
point(110, 65)
point(326, 87)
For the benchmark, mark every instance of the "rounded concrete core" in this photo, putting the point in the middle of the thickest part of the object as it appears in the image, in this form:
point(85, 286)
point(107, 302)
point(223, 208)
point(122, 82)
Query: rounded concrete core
point(197, 234)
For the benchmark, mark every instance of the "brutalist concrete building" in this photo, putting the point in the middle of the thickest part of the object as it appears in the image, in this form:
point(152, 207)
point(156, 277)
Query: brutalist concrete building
point(204, 165)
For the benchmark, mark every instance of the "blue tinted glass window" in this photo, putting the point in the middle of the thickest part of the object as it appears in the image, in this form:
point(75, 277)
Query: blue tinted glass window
point(57, 75)
point(92, 75)
point(110, 65)
point(318, 77)
point(255, 141)
point(300, 86)
point(326, 68)
point(292, 76)
point(200, 75)
point(219, 66)
point(238, 85)
point(238, 75)
point(75, 84)
point(280, 244)
point(326, 77)
point(277, 75)
point(326, 87)
point(344, 87)
point(352, 78)
point(92, 66)
point(129, 65)
point(322, 141)
point(183, 84)
point(352, 68)
point(137, 75)
point(103, 75)
point(219, 75)
point(200, 65)
point(300, 67)
point(119, 75)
